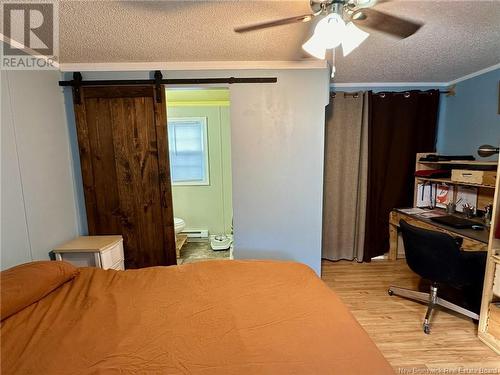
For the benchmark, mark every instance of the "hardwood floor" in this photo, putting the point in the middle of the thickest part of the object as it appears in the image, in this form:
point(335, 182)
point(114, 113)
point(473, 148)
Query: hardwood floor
point(395, 324)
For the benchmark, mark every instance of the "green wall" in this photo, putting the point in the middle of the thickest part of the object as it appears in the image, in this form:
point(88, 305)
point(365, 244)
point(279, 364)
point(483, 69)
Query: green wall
point(206, 207)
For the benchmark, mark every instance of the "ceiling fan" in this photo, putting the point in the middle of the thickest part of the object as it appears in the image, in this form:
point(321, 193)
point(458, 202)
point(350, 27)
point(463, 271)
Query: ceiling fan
point(338, 25)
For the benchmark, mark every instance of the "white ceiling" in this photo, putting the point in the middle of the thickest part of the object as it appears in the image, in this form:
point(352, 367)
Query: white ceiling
point(459, 37)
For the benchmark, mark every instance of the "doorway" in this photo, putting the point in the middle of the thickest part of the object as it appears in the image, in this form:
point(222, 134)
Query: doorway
point(199, 138)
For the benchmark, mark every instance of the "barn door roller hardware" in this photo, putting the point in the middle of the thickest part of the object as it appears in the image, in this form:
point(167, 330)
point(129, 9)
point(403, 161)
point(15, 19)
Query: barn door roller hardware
point(77, 82)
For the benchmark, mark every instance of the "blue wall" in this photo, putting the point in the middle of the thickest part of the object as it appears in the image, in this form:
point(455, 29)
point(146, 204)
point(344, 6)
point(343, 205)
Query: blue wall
point(471, 116)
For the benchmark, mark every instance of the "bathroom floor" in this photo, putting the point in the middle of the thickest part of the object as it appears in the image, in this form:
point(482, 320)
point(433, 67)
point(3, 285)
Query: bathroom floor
point(193, 252)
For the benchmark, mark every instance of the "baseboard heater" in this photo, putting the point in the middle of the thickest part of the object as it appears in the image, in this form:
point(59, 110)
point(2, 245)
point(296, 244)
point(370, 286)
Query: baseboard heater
point(196, 233)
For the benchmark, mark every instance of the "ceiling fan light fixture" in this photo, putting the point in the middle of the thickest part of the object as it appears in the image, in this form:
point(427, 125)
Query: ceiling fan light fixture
point(328, 33)
point(332, 31)
point(315, 48)
point(353, 37)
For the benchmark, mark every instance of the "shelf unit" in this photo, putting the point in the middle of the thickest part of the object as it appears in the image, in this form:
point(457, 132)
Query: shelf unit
point(488, 328)
point(476, 163)
point(488, 323)
point(180, 240)
point(496, 258)
point(485, 193)
point(449, 182)
point(495, 245)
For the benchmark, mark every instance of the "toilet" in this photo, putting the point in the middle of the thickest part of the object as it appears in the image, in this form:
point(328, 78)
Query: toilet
point(179, 225)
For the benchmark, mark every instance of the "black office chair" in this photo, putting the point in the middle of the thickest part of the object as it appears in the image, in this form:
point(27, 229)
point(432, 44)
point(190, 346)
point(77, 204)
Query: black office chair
point(437, 257)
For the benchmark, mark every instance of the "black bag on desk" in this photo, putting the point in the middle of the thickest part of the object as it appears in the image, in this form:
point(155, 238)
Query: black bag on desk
point(433, 158)
point(433, 173)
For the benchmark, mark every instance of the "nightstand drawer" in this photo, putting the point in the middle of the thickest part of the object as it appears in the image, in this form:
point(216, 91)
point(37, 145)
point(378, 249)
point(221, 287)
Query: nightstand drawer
point(92, 251)
point(79, 259)
point(112, 256)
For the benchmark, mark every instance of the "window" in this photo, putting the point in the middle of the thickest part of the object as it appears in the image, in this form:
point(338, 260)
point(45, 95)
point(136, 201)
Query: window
point(188, 147)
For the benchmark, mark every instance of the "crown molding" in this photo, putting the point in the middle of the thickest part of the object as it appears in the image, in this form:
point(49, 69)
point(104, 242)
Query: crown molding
point(193, 65)
point(388, 84)
point(415, 84)
point(475, 74)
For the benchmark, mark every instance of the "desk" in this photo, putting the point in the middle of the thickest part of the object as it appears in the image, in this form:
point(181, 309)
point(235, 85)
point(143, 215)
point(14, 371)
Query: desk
point(474, 240)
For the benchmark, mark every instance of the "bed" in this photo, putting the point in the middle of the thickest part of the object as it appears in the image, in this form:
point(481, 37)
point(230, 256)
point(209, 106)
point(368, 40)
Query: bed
point(216, 317)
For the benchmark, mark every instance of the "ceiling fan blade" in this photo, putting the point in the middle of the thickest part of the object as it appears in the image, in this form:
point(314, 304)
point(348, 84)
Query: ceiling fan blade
point(283, 21)
point(374, 19)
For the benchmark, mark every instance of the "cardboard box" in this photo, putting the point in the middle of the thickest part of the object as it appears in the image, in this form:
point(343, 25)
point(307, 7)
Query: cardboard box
point(474, 177)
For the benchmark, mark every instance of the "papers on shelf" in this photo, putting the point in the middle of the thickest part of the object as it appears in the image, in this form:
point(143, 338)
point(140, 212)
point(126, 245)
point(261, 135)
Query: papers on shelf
point(425, 194)
point(444, 195)
point(430, 195)
point(466, 195)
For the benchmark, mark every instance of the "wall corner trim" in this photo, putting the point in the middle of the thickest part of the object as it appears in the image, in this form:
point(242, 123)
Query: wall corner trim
point(388, 84)
point(334, 85)
point(475, 74)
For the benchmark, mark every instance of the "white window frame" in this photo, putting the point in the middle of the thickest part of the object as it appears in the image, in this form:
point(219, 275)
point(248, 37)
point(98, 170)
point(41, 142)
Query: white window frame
point(204, 129)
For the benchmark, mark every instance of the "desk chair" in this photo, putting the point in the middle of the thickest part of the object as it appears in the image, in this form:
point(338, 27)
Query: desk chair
point(437, 257)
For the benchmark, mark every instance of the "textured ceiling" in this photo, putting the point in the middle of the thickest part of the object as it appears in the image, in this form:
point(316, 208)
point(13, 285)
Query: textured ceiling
point(459, 37)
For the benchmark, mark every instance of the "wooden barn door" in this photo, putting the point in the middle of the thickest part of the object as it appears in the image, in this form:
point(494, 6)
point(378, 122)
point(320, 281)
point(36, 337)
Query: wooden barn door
point(122, 136)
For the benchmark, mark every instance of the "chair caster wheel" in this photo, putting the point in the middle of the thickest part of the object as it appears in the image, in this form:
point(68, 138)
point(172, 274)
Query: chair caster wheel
point(390, 292)
point(427, 329)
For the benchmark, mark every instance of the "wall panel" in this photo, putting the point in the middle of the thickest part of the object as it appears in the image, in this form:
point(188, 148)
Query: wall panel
point(15, 247)
point(44, 165)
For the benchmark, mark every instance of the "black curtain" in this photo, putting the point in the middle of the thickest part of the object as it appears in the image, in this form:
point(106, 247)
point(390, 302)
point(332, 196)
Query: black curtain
point(400, 125)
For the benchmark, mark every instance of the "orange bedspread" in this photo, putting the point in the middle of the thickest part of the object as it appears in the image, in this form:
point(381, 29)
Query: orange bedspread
point(219, 317)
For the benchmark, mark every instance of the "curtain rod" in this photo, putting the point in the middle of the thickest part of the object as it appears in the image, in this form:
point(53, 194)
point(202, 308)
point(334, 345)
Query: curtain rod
point(158, 80)
point(450, 92)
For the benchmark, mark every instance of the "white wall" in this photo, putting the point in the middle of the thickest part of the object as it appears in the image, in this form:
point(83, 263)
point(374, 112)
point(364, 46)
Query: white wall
point(278, 148)
point(38, 209)
point(14, 231)
point(277, 133)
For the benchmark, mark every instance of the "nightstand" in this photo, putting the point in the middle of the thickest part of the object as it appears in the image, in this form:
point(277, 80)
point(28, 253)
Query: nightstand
point(93, 251)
